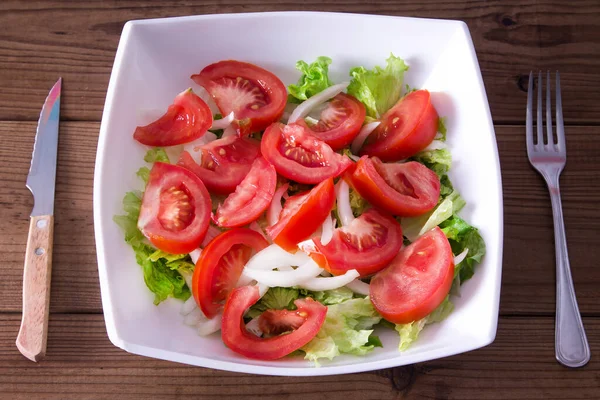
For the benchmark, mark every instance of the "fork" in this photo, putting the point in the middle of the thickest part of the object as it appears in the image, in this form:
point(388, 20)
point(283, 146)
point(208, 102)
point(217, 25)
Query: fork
point(548, 157)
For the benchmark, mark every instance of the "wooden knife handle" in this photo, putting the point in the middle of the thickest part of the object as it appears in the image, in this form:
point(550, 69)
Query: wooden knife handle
point(31, 340)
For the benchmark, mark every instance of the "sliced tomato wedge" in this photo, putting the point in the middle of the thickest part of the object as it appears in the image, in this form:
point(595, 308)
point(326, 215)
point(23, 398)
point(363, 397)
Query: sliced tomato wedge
point(224, 162)
point(254, 95)
point(276, 322)
point(251, 197)
point(339, 122)
point(405, 129)
point(175, 210)
point(368, 244)
point(408, 189)
point(417, 281)
point(300, 156)
point(302, 215)
point(187, 119)
point(220, 266)
point(237, 338)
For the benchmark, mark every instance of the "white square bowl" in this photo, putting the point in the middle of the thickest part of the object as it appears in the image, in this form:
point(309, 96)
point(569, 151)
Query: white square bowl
point(153, 64)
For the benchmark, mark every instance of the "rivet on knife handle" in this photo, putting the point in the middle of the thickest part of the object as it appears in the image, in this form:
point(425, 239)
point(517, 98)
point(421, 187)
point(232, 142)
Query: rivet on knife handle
point(31, 340)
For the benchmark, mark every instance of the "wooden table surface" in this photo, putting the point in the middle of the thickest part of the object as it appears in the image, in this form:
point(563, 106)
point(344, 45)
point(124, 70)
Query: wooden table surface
point(41, 40)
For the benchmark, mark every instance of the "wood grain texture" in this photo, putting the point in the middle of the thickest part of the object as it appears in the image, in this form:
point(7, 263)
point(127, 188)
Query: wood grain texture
point(37, 271)
point(82, 363)
point(42, 40)
point(528, 269)
point(75, 277)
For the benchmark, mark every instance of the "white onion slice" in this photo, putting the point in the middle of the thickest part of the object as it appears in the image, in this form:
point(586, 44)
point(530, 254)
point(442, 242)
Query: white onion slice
point(188, 277)
point(195, 255)
point(342, 191)
point(194, 147)
point(291, 278)
point(222, 123)
point(305, 107)
point(310, 120)
point(330, 283)
point(252, 327)
point(435, 145)
point(364, 133)
point(327, 230)
point(275, 207)
point(208, 326)
point(211, 233)
point(275, 257)
point(229, 131)
point(188, 306)
point(287, 111)
point(262, 289)
point(307, 246)
point(203, 94)
point(360, 287)
point(194, 317)
point(269, 258)
point(256, 227)
point(459, 258)
point(353, 157)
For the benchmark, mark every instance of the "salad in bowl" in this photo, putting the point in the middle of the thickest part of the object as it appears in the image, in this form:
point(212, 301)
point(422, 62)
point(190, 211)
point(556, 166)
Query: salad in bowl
point(294, 221)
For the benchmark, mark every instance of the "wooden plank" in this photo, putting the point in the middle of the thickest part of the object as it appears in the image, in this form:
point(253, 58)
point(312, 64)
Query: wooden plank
point(42, 40)
point(528, 279)
point(82, 363)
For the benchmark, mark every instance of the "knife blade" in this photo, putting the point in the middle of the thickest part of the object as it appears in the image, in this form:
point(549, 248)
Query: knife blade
point(31, 340)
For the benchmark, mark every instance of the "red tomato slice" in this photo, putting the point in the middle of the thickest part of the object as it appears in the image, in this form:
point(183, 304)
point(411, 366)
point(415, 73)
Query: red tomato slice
point(339, 122)
point(407, 189)
point(300, 156)
point(220, 266)
point(368, 244)
point(251, 197)
point(175, 210)
point(237, 338)
point(276, 322)
point(256, 96)
point(302, 215)
point(186, 120)
point(405, 129)
point(224, 163)
point(417, 281)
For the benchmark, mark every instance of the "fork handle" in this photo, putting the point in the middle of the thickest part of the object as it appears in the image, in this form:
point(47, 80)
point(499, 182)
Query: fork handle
point(571, 345)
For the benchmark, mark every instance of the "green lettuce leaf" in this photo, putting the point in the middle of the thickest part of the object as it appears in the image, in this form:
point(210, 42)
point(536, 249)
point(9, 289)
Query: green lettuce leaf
point(314, 78)
point(144, 174)
point(413, 227)
point(347, 329)
point(156, 154)
point(380, 88)
point(441, 131)
point(335, 296)
point(461, 236)
point(159, 278)
point(276, 298)
point(177, 262)
point(410, 332)
point(439, 161)
point(357, 203)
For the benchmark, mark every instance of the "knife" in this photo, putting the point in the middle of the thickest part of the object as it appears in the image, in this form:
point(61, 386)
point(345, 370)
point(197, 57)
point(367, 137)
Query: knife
point(31, 340)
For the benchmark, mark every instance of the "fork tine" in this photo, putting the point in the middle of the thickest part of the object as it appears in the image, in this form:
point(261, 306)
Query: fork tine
point(529, 115)
point(539, 121)
point(560, 128)
point(549, 112)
